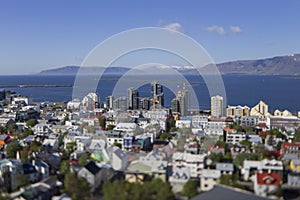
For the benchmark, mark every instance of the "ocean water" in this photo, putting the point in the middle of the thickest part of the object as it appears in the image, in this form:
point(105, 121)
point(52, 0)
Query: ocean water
point(279, 92)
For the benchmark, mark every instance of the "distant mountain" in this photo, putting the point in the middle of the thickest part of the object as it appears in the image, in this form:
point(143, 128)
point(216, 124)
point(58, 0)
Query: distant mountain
point(280, 65)
point(72, 70)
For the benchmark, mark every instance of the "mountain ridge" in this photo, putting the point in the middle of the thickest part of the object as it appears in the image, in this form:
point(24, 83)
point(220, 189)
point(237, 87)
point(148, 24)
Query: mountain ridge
point(278, 65)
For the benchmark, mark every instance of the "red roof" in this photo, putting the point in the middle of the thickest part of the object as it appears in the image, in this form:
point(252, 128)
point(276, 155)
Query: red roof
point(263, 133)
point(268, 179)
point(286, 145)
point(262, 125)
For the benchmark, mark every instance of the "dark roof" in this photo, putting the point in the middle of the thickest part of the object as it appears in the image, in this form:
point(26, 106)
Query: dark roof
point(28, 168)
point(92, 167)
point(227, 193)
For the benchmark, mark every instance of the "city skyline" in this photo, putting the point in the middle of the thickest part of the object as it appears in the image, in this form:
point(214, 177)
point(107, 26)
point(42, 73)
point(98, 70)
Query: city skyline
point(44, 35)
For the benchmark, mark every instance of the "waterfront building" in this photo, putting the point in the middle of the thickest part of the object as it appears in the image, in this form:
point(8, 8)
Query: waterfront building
point(216, 106)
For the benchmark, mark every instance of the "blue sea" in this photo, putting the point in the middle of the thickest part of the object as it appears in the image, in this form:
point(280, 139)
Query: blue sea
point(279, 92)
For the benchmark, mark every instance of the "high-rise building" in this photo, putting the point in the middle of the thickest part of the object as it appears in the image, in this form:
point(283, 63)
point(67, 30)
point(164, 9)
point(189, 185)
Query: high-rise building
point(180, 102)
point(120, 103)
point(144, 104)
point(90, 102)
point(109, 102)
point(217, 106)
point(157, 93)
point(132, 99)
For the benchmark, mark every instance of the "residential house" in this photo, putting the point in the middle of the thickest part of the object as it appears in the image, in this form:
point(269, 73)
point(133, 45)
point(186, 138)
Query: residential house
point(194, 162)
point(94, 174)
point(250, 167)
point(225, 168)
point(293, 179)
point(266, 184)
point(209, 178)
point(179, 178)
point(235, 138)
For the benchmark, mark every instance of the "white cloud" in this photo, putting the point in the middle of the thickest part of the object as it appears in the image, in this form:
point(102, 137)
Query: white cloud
point(175, 26)
point(236, 29)
point(220, 30)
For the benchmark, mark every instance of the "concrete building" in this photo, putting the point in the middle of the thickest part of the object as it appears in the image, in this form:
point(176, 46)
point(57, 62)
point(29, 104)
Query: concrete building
point(217, 106)
point(132, 99)
point(120, 103)
point(260, 110)
point(237, 111)
point(209, 178)
point(157, 93)
point(109, 101)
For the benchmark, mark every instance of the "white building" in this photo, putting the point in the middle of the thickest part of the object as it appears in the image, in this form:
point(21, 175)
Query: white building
point(183, 124)
point(217, 106)
point(209, 178)
point(193, 162)
point(74, 105)
point(235, 138)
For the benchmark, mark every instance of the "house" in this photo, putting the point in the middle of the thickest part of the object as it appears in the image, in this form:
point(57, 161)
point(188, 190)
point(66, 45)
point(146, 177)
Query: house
point(225, 168)
point(51, 143)
point(293, 147)
point(194, 162)
point(152, 164)
point(95, 175)
point(215, 126)
point(183, 124)
point(295, 165)
point(117, 158)
point(5, 122)
point(30, 172)
point(251, 167)
point(41, 129)
point(209, 178)
point(293, 179)
point(266, 184)
point(9, 171)
point(178, 178)
point(235, 138)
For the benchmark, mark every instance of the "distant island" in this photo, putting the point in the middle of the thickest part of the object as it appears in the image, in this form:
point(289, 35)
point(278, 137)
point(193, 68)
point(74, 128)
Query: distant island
point(279, 65)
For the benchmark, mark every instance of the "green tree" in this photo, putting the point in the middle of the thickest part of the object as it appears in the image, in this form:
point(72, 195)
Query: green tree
point(31, 123)
point(246, 143)
point(216, 157)
point(24, 155)
point(70, 147)
point(12, 148)
point(64, 167)
point(12, 128)
point(276, 133)
point(26, 133)
point(102, 122)
point(239, 159)
point(297, 136)
point(76, 188)
point(36, 146)
point(83, 159)
point(164, 136)
point(110, 127)
point(3, 129)
point(190, 189)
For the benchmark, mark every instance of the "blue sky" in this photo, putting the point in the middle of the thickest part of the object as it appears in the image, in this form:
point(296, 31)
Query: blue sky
point(38, 35)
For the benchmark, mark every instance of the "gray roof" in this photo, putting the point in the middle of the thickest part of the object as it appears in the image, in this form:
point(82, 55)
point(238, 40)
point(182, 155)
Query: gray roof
point(224, 166)
point(227, 193)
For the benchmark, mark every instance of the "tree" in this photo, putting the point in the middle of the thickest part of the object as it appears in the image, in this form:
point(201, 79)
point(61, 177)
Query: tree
point(216, 157)
point(276, 133)
point(246, 143)
point(190, 189)
point(12, 148)
point(239, 159)
point(110, 127)
point(76, 188)
point(24, 155)
point(31, 123)
point(12, 128)
point(26, 133)
point(102, 122)
point(297, 136)
point(83, 159)
point(3, 129)
point(64, 167)
point(36, 146)
point(164, 136)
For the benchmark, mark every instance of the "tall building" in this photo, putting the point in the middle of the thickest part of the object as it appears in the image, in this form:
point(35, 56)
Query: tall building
point(180, 102)
point(109, 102)
point(144, 104)
point(157, 93)
point(132, 99)
point(90, 102)
point(216, 105)
point(120, 103)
